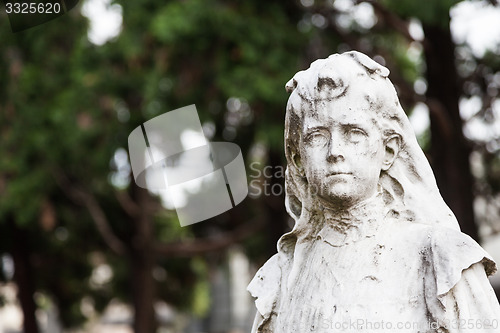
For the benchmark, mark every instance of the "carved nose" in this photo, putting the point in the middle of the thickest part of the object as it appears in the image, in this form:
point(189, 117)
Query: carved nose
point(334, 152)
point(334, 158)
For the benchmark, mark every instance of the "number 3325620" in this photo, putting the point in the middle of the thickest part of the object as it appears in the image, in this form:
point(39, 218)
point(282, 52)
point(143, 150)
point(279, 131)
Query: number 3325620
point(32, 8)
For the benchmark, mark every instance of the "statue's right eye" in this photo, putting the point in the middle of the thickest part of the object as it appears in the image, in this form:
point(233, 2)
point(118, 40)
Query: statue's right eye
point(316, 138)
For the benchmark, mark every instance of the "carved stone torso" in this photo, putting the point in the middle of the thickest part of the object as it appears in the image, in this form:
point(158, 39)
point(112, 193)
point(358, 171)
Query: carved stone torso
point(362, 284)
point(396, 278)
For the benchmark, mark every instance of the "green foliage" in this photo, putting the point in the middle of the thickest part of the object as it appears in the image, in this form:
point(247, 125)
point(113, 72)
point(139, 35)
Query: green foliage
point(52, 125)
point(201, 291)
point(432, 12)
point(243, 54)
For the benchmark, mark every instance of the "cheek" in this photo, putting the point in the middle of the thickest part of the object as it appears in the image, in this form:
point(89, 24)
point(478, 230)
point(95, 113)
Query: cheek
point(312, 168)
point(367, 154)
point(370, 151)
point(369, 163)
point(315, 175)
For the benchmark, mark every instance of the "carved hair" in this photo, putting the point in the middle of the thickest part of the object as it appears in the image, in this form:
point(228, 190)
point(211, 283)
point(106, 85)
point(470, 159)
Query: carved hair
point(409, 182)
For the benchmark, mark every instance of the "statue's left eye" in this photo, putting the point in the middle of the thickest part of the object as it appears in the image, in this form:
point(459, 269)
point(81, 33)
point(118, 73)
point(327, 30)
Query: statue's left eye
point(356, 134)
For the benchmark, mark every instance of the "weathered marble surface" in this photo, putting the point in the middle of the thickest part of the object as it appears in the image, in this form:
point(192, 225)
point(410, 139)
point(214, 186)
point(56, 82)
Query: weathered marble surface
point(374, 247)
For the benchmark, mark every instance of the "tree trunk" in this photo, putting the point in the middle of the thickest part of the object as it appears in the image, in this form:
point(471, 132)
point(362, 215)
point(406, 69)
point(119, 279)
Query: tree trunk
point(23, 277)
point(143, 259)
point(275, 203)
point(449, 148)
point(143, 292)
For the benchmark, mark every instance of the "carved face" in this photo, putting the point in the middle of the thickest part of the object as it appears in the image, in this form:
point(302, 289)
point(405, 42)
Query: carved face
point(342, 152)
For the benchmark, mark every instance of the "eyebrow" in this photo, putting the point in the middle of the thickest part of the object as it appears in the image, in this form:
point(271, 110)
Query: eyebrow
point(315, 128)
point(354, 125)
point(347, 124)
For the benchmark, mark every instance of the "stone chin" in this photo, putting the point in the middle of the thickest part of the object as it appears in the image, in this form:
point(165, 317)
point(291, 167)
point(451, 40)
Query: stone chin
point(338, 194)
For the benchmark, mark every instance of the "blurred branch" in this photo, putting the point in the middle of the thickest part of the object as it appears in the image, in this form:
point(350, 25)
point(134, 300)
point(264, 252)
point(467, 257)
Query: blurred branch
point(438, 113)
point(390, 18)
point(86, 199)
point(203, 245)
point(346, 38)
point(128, 205)
point(393, 20)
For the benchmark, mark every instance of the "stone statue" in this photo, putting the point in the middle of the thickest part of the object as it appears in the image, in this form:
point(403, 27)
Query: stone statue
point(374, 247)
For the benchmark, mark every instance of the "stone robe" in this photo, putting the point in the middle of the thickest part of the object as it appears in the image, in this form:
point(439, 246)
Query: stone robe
point(369, 273)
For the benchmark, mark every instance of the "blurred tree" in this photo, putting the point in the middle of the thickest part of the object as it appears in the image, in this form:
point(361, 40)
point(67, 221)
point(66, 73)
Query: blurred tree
point(68, 109)
point(68, 202)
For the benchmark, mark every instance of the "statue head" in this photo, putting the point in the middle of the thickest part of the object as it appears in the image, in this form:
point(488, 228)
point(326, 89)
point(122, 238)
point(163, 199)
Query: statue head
point(347, 139)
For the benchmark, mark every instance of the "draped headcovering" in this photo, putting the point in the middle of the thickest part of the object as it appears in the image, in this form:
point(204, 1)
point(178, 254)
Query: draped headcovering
point(409, 182)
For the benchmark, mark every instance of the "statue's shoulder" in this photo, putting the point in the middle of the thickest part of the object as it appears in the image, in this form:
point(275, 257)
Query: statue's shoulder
point(266, 284)
point(270, 271)
point(415, 237)
point(447, 252)
point(452, 252)
point(451, 247)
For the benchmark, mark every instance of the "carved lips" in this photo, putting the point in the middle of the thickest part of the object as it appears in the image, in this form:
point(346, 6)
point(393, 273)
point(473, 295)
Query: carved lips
point(338, 173)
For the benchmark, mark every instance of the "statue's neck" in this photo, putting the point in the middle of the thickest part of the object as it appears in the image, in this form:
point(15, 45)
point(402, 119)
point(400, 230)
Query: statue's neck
point(358, 210)
point(346, 226)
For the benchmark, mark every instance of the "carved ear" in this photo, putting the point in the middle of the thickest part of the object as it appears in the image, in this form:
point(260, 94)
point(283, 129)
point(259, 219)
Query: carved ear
point(297, 161)
point(392, 145)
